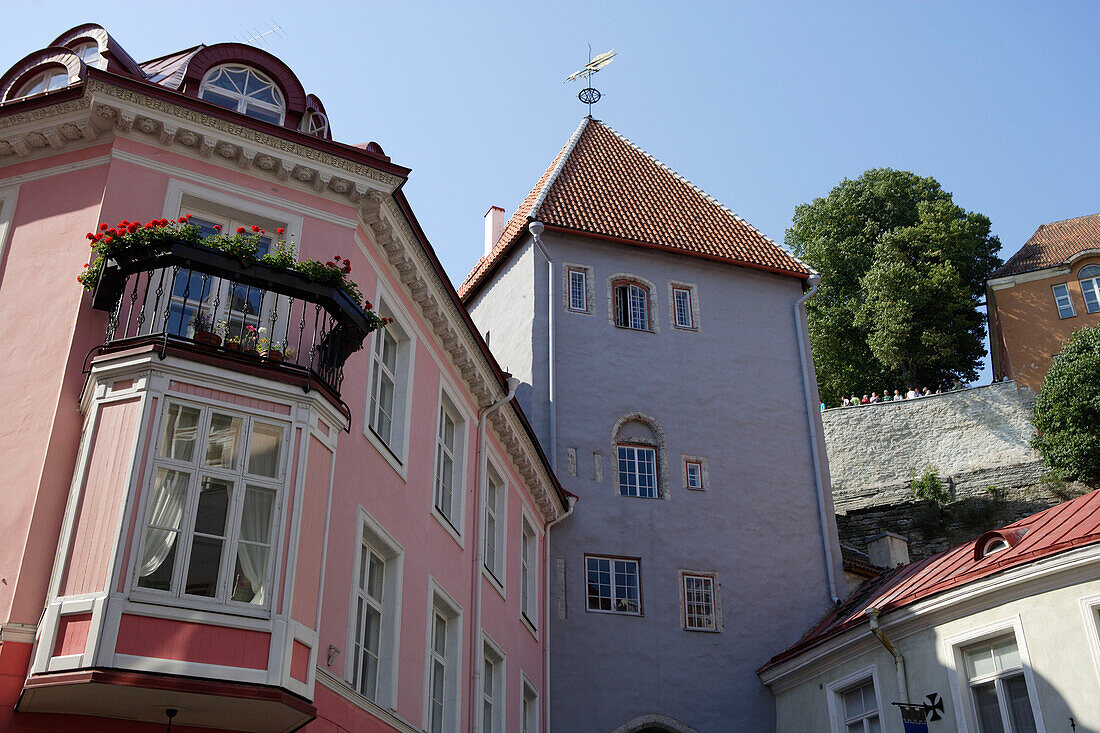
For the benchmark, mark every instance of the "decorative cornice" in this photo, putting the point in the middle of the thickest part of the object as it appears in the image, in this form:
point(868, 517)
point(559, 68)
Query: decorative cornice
point(19, 633)
point(396, 239)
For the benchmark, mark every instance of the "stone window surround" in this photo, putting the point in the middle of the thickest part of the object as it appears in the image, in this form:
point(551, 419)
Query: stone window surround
point(693, 291)
point(702, 461)
point(660, 445)
point(651, 290)
point(715, 600)
point(589, 288)
point(835, 693)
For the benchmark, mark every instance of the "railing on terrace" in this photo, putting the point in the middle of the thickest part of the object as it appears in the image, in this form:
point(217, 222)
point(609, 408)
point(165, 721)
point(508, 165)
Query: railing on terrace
point(155, 295)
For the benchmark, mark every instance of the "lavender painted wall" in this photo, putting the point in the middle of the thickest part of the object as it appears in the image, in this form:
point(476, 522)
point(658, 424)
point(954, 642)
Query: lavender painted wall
point(731, 392)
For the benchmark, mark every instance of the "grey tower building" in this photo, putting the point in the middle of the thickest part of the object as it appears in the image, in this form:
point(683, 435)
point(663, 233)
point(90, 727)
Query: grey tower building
point(665, 363)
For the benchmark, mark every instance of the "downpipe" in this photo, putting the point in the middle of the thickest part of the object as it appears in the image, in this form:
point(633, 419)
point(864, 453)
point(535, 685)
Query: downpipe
point(546, 619)
point(899, 661)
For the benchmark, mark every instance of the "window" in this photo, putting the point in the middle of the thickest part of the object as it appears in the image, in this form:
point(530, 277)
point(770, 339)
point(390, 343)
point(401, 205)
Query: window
point(631, 306)
point(529, 713)
point(448, 465)
point(244, 90)
point(638, 471)
point(681, 306)
point(613, 585)
point(1061, 297)
point(694, 475)
point(528, 574)
point(700, 602)
point(388, 396)
point(89, 54)
point(578, 290)
point(492, 690)
point(443, 676)
point(495, 512)
point(55, 77)
point(1090, 287)
point(375, 607)
point(209, 521)
point(860, 709)
point(998, 689)
point(994, 544)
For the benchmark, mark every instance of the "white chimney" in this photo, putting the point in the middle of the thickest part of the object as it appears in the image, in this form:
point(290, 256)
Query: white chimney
point(494, 227)
point(888, 550)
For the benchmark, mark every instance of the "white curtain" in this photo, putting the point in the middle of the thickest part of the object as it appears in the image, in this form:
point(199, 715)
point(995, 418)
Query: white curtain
point(255, 527)
point(166, 512)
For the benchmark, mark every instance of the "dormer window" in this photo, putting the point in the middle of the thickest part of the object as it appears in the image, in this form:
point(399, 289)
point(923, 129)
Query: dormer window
point(53, 78)
point(996, 544)
point(90, 55)
point(997, 540)
point(318, 125)
point(244, 90)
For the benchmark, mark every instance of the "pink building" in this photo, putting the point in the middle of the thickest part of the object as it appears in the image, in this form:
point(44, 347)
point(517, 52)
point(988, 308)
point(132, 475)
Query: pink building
point(217, 508)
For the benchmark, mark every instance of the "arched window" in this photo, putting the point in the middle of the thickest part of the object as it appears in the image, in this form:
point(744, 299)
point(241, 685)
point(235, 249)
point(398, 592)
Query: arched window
point(318, 124)
point(1090, 287)
point(994, 544)
point(639, 455)
point(90, 55)
point(244, 90)
point(631, 302)
point(52, 78)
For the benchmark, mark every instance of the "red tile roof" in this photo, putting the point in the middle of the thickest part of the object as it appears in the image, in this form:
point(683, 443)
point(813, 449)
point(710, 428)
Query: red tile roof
point(1064, 527)
point(604, 186)
point(1054, 244)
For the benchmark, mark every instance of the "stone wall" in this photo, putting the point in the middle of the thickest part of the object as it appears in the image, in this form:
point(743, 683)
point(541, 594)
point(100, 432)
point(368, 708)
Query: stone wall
point(974, 438)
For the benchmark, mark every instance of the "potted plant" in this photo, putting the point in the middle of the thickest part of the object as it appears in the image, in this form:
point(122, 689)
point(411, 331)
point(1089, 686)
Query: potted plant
point(276, 350)
point(250, 339)
point(204, 330)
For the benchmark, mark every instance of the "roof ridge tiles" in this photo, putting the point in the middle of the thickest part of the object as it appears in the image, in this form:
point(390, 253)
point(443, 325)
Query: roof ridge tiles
point(557, 166)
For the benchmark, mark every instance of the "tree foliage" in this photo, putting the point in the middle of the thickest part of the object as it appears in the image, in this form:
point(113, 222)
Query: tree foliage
point(1067, 412)
point(902, 271)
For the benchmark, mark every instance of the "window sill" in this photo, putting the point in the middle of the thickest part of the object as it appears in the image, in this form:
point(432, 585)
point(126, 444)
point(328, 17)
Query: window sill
point(386, 452)
point(528, 625)
point(689, 329)
point(450, 528)
point(497, 585)
point(579, 312)
point(628, 614)
point(704, 631)
point(209, 611)
point(635, 330)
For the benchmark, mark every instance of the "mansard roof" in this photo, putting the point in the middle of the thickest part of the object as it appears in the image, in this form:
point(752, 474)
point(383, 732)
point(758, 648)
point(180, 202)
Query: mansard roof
point(1061, 528)
point(1053, 244)
point(604, 186)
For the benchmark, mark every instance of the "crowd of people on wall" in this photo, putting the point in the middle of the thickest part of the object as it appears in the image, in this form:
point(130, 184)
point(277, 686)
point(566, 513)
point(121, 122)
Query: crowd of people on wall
point(911, 394)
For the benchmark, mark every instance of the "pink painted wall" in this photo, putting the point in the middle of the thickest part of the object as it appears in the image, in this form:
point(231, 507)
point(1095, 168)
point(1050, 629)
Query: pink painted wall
point(96, 526)
point(143, 467)
point(245, 401)
point(162, 638)
point(311, 535)
point(299, 661)
point(72, 634)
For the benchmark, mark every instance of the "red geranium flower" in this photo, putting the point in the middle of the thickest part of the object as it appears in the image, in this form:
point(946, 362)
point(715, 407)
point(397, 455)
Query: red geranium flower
point(330, 263)
point(90, 236)
point(102, 227)
point(182, 219)
point(255, 228)
point(217, 227)
point(187, 216)
point(347, 267)
point(108, 240)
point(240, 230)
point(279, 230)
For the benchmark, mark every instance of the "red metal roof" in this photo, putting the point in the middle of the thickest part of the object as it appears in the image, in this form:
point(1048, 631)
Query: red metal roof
point(1054, 244)
point(604, 186)
point(1063, 527)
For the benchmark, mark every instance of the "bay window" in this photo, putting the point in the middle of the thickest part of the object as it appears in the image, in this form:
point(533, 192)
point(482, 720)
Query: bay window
point(209, 519)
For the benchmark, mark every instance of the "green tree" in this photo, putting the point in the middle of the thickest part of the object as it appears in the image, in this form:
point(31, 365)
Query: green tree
point(902, 272)
point(1067, 412)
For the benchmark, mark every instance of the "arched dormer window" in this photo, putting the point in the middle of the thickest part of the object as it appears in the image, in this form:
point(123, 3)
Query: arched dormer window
point(54, 77)
point(630, 299)
point(244, 90)
point(1090, 287)
point(88, 51)
point(641, 457)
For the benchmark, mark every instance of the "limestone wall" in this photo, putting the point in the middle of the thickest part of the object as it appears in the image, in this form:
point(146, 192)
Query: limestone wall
point(974, 438)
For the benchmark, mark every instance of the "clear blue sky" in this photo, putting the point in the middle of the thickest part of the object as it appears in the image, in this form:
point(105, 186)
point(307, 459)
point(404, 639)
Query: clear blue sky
point(764, 105)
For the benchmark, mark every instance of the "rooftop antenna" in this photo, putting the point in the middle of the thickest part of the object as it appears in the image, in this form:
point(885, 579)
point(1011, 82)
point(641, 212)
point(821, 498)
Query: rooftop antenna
point(589, 95)
point(257, 37)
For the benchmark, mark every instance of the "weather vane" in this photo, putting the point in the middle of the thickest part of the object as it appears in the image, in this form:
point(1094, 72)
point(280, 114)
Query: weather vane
point(589, 95)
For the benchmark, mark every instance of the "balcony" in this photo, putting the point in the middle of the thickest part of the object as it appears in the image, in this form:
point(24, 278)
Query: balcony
point(179, 296)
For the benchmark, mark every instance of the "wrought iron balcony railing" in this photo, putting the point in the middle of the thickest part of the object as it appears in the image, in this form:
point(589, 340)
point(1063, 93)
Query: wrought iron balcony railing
point(178, 293)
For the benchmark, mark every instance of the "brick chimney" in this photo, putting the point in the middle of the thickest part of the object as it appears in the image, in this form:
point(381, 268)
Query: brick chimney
point(494, 227)
point(888, 550)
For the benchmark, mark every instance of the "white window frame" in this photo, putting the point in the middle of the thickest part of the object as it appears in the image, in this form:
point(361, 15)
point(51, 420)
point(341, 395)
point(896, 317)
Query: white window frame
point(373, 536)
point(637, 319)
point(578, 275)
point(496, 570)
point(95, 62)
point(529, 713)
point(612, 559)
point(1090, 613)
point(244, 101)
point(9, 198)
point(711, 578)
point(443, 604)
point(530, 544)
point(1090, 286)
point(1063, 301)
point(396, 450)
point(633, 457)
point(835, 690)
point(222, 602)
point(492, 691)
point(50, 76)
point(451, 521)
point(954, 646)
